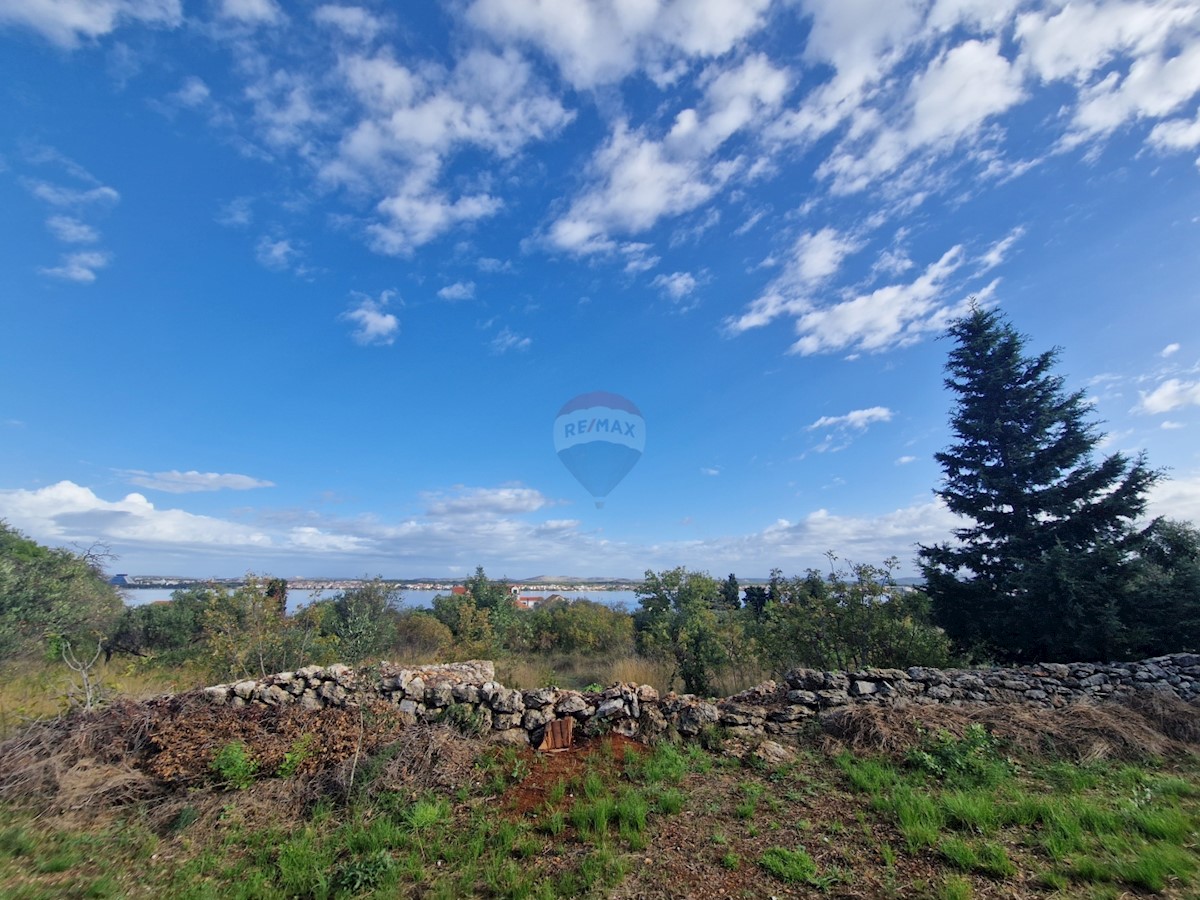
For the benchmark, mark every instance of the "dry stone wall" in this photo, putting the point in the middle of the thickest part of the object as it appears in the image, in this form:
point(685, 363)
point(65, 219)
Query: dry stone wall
point(427, 693)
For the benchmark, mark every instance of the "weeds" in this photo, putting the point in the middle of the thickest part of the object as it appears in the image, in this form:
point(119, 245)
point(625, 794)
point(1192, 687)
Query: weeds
point(235, 766)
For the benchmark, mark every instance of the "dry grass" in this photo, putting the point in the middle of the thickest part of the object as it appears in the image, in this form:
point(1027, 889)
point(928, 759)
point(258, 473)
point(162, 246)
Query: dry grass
point(79, 760)
point(33, 690)
point(1081, 731)
point(527, 672)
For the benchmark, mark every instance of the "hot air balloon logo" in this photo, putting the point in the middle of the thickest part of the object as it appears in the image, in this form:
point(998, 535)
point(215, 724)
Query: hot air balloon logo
point(599, 437)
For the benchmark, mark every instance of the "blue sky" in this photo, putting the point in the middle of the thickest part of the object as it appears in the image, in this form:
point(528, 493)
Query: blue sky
point(301, 289)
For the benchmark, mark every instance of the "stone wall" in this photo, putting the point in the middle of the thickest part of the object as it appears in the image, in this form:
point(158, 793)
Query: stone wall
point(427, 692)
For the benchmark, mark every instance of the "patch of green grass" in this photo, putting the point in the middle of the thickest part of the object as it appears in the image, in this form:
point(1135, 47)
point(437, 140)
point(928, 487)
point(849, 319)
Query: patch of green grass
point(731, 860)
point(955, 887)
point(664, 764)
point(868, 775)
point(554, 823)
point(1165, 824)
point(918, 814)
point(985, 856)
point(591, 818)
point(972, 810)
point(789, 865)
point(670, 801)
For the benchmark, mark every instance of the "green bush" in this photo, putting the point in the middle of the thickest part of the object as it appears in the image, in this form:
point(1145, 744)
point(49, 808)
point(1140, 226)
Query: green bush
point(972, 759)
point(235, 766)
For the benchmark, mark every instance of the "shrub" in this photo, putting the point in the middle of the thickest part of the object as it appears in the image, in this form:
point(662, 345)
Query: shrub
point(235, 766)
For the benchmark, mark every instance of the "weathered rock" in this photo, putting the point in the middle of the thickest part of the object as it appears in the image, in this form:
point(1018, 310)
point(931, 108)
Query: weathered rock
point(508, 701)
point(440, 694)
point(245, 689)
point(695, 716)
point(773, 753)
point(540, 697)
point(863, 688)
point(611, 708)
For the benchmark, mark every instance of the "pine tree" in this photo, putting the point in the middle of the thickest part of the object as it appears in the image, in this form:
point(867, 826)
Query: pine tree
point(1046, 567)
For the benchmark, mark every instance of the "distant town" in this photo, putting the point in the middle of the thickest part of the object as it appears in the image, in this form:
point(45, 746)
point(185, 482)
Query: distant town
point(541, 583)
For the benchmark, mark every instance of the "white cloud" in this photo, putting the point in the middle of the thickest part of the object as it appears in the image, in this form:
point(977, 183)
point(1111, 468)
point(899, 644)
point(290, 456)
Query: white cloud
point(905, 460)
point(252, 12)
point(1168, 425)
point(411, 122)
point(891, 316)
point(192, 93)
point(637, 182)
point(815, 258)
point(1176, 498)
point(636, 179)
point(237, 213)
point(352, 21)
point(508, 339)
point(1176, 134)
point(373, 325)
point(1071, 42)
point(1155, 86)
point(70, 512)
point(506, 500)
point(998, 252)
point(176, 482)
point(56, 195)
point(677, 285)
point(858, 419)
point(1169, 350)
point(68, 22)
point(460, 290)
point(70, 230)
point(277, 255)
point(1172, 394)
point(947, 104)
point(595, 43)
point(711, 471)
point(80, 267)
point(465, 526)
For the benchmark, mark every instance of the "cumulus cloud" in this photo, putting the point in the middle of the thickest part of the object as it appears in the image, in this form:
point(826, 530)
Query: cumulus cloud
point(476, 501)
point(595, 43)
point(70, 22)
point(508, 340)
point(892, 316)
point(70, 230)
point(57, 195)
point(277, 255)
point(1169, 350)
point(638, 178)
point(79, 267)
point(352, 21)
point(251, 12)
point(905, 460)
point(70, 512)
point(373, 325)
point(857, 419)
point(410, 122)
point(815, 258)
point(677, 285)
point(462, 526)
point(459, 290)
point(1172, 394)
point(176, 482)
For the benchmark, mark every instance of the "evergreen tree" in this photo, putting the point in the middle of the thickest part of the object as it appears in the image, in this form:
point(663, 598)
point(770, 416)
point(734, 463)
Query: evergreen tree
point(731, 592)
point(1046, 567)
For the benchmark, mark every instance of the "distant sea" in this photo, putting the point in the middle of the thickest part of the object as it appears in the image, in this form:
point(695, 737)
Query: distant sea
point(412, 599)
